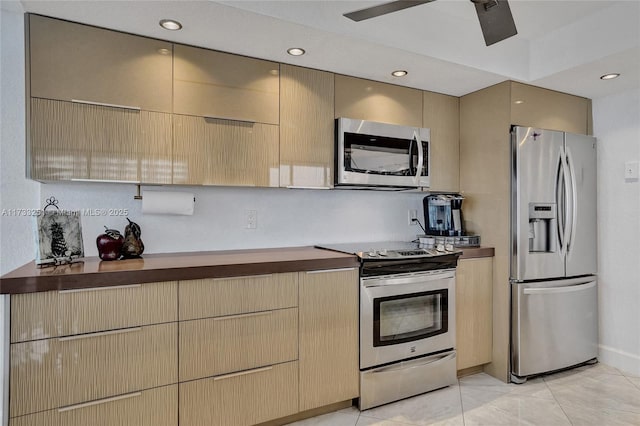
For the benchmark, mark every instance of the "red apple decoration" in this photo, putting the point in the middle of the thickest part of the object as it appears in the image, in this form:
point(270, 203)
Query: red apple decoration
point(109, 244)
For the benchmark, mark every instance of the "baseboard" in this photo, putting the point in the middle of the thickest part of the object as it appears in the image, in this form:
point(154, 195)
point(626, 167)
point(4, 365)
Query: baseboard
point(624, 361)
point(309, 413)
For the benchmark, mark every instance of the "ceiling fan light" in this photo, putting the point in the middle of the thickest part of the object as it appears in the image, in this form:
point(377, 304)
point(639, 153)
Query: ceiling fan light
point(399, 73)
point(170, 24)
point(610, 76)
point(296, 51)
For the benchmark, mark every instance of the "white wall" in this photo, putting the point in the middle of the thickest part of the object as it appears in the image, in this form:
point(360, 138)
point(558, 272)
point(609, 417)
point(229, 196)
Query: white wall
point(617, 126)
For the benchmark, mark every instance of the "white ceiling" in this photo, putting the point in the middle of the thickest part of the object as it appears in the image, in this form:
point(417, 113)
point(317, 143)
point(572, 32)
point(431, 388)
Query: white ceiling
point(561, 45)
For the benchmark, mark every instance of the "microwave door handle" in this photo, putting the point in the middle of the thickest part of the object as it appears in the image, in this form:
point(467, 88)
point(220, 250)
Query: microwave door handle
point(420, 155)
point(412, 170)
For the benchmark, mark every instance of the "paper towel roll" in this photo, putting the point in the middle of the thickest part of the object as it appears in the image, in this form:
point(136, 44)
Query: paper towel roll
point(160, 202)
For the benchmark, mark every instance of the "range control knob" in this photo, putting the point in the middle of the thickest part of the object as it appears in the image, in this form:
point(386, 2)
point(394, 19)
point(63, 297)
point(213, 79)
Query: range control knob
point(372, 253)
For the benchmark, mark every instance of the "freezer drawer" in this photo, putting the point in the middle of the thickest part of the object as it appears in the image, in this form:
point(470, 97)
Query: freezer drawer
point(554, 324)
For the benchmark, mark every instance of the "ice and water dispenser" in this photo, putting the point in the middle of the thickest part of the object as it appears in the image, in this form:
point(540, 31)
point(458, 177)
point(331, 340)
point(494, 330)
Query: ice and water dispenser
point(542, 227)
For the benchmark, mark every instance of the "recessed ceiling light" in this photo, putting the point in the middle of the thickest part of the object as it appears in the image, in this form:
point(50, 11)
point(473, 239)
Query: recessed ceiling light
point(399, 73)
point(170, 24)
point(609, 76)
point(296, 51)
point(518, 102)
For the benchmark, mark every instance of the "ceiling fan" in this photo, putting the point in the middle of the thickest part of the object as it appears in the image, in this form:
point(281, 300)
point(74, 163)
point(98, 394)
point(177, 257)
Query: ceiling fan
point(495, 16)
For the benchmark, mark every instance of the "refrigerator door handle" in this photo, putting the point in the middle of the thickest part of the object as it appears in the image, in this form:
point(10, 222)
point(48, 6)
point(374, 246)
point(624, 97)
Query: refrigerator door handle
point(573, 203)
point(567, 289)
point(561, 194)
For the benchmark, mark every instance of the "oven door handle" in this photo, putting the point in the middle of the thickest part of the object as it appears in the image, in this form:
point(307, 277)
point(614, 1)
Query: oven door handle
point(416, 363)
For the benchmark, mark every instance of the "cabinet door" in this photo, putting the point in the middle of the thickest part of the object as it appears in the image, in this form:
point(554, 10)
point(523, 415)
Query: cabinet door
point(79, 141)
point(241, 399)
point(220, 85)
point(222, 152)
point(57, 372)
point(328, 357)
point(73, 61)
point(214, 346)
point(547, 109)
point(442, 116)
point(306, 127)
point(216, 297)
point(153, 407)
point(67, 312)
point(474, 311)
point(374, 101)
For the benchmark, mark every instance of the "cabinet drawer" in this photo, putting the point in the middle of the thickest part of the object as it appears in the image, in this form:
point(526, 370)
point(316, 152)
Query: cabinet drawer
point(238, 295)
point(53, 373)
point(239, 399)
point(153, 407)
point(79, 141)
point(63, 313)
point(222, 152)
point(220, 345)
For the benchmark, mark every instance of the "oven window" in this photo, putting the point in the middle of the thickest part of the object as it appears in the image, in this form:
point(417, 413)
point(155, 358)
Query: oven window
point(409, 317)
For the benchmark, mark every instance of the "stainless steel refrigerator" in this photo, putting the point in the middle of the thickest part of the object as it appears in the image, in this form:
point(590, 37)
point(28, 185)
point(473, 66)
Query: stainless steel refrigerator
point(554, 308)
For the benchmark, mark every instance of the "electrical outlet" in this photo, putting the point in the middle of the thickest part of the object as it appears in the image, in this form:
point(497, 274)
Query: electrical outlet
point(631, 170)
point(251, 217)
point(413, 217)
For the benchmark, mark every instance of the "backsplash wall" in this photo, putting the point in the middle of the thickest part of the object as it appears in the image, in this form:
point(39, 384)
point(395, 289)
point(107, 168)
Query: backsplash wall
point(285, 217)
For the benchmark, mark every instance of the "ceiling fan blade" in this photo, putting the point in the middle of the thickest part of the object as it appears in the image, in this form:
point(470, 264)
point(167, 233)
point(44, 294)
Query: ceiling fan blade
point(383, 9)
point(496, 20)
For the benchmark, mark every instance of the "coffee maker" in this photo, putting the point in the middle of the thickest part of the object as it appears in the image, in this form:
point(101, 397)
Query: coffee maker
point(443, 214)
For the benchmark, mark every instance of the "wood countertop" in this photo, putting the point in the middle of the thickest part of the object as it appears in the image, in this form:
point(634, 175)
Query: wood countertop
point(92, 272)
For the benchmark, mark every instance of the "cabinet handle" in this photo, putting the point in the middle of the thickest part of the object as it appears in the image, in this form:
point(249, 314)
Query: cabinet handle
point(242, 373)
point(85, 290)
point(230, 119)
point(80, 101)
point(307, 187)
point(243, 277)
point(253, 314)
point(98, 402)
point(323, 271)
point(102, 333)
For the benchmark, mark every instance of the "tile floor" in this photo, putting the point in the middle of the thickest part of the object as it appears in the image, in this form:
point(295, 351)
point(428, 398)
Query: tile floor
point(596, 395)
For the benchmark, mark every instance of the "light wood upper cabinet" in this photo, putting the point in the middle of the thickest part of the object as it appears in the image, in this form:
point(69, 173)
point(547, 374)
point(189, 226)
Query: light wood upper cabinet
point(474, 313)
point(328, 343)
point(78, 141)
point(441, 114)
point(73, 61)
point(306, 127)
point(374, 101)
point(547, 109)
point(209, 151)
point(221, 85)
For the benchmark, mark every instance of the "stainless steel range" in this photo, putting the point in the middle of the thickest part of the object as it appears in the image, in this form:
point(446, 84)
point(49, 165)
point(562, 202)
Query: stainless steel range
point(407, 320)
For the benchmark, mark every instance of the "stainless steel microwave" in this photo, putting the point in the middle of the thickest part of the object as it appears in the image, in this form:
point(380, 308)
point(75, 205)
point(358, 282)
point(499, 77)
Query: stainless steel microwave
point(371, 154)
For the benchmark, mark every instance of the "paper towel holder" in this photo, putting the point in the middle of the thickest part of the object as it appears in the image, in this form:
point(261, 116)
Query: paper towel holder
point(138, 196)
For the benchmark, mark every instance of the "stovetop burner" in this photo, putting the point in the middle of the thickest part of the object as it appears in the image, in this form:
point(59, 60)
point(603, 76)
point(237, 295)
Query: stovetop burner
point(385, 250)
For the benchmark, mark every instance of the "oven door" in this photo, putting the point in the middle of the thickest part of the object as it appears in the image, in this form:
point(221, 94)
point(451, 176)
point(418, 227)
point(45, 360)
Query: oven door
point(406, 315)
point(380, 154)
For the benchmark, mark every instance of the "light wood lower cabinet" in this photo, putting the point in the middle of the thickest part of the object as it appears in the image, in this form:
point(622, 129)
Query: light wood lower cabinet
point(152, 407)
point(214, 346)
point(214, 297)
point(79, 141)
point(239, 399)
point(53, 373)
point(474, 312)
point(222, 152)
point(67, 312)
point(329, 369)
